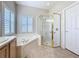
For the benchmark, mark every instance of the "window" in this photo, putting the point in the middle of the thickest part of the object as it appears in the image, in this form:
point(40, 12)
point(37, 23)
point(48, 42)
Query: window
point(29, 24)
point(26, 24)
point(9, 22)
point(12, 22)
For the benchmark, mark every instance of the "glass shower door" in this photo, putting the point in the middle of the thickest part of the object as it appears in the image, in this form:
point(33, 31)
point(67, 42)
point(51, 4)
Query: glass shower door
point(47, 31)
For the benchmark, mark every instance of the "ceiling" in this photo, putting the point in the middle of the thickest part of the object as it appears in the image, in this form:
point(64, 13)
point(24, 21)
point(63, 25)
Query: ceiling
point(46, 4)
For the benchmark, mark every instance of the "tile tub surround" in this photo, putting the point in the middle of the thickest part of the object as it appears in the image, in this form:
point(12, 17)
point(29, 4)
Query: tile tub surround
point(24, 39)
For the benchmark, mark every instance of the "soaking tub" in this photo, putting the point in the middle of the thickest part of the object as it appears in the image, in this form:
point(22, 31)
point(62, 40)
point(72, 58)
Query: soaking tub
point(25, 39)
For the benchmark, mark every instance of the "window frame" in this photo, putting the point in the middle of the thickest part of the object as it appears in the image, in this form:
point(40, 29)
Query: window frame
point(10, 33)
point(27, 24)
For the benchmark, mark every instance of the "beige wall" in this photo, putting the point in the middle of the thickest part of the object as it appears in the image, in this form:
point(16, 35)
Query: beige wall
point(25, 10)
point(28, 11)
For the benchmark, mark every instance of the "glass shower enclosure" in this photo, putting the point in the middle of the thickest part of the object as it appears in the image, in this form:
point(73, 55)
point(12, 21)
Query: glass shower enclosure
point(46, 29)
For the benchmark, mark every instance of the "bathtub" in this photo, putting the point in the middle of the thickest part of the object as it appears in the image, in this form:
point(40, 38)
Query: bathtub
point(24, 39)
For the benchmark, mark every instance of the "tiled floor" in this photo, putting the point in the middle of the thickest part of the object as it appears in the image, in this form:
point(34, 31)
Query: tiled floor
point(32, 50)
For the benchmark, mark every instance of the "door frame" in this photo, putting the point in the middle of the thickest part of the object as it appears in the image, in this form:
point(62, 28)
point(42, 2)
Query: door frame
point(60, 29)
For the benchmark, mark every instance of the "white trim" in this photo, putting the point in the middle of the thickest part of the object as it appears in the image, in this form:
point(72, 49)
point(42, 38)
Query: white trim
point(71, 5)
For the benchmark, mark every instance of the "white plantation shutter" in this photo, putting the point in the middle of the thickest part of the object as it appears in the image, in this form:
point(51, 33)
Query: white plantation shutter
point(12, 23)
point(30, 22)
point(26, 24)
point(9, 22)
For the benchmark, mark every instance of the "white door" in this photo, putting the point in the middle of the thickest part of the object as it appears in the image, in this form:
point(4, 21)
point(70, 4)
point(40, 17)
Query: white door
point(56, 30)
point(68, 29)
point(77, 30)
point(72, 29)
